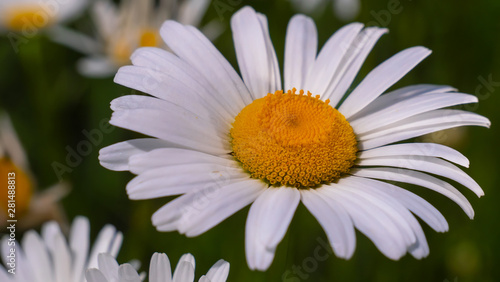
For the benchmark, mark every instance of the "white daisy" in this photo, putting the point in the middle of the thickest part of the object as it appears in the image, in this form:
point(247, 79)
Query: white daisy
point(222, 142)
point(28, 16)
point(32, 207)
point(345, 10)
point(122, 29)
point(50, 257)
point(159, 270)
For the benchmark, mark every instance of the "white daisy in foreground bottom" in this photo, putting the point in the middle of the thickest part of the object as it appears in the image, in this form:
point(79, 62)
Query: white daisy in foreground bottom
point(223, 143)
point(49, 257)
point(159, 270)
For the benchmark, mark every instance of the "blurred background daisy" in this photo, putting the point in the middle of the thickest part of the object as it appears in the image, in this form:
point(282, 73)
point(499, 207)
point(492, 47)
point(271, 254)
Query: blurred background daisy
point(61, 119)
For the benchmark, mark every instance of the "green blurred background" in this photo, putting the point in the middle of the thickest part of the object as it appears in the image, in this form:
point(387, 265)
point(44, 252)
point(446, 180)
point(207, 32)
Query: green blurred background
point(50, 104)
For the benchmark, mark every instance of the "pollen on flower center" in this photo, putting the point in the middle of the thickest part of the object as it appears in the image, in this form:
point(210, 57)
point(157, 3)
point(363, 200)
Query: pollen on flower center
point(293, 139)
point(27, 18)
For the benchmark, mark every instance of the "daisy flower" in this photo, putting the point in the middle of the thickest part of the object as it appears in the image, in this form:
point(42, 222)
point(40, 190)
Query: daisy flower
point(28, 16)
point(159, 270)
point(223, 142)
point(31, 207)
point(344, 10)
point(122, 29)
point(50, 257)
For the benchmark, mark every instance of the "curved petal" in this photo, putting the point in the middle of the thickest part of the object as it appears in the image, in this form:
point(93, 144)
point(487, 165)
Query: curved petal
point(352, 62)
point(181, 128)
point(255, 53)
point(192, 205)
point(195, 49)
point(335, 221)
point(116, 156)
point(369, 220)
point(420, 179)
point(267, 222)
point(329, 58)
point(159, 268)
point(179, 179)
point(300, 51)
point(408, 108)
point(219, 271)
point(179, 88)
point(417, 149)
point(427, 164)
point(381, 78)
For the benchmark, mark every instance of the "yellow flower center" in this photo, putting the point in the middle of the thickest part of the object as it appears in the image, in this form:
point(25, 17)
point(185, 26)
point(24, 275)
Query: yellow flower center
point(22, 189)
point(293, 139)
point(27, 18)
point(122, 48)
point(149, 38)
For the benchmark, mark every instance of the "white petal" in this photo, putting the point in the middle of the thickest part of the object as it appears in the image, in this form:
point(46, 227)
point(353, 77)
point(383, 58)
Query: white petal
point(163, 157)
point(378, 190)
point(95, 275)
point(79, 243)
point(371, 221)
point(255, 53)
point(267, 222)
point(191, 11)
point(180, 179)
point(419, 125)
point(420, 179)
point(159, 268)
point(417, 149)
point(105, 16)
point(184, 272)
point(202, 206)
point(219, 271)
point(178, 86)
point(414, 203)
point(334, 220)
point(381, 78)
point(128, 274)
point(409, 107)
point(96, 67)
point(116, 157)
point(182, 129)
point(329, 58)
point(38, 257)
point(398, 95)
point(103, 244)
point(428, 119)
point(427, 164)
point(74, 40)
point(70, 9)
point(400, 217)
point(194, 48)
point(352, 62)
point(61, 258)
point(108, 266)
point(221, 203)
point(134, 102)
point(300, 51)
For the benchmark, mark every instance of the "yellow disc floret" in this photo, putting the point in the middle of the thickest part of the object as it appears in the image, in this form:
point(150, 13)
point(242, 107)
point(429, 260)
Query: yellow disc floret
point(27, 18)
point(293, 139)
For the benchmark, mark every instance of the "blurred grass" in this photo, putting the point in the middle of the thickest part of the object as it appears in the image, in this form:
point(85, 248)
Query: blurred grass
point(51, 104)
